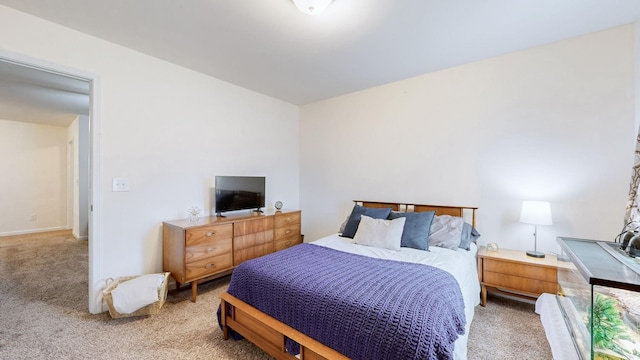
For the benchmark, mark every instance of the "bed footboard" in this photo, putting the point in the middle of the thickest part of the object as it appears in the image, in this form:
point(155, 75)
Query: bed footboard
point(268, 333)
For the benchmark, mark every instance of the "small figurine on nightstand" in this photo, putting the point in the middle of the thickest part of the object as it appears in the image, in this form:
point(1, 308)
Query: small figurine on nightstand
point(492, 247)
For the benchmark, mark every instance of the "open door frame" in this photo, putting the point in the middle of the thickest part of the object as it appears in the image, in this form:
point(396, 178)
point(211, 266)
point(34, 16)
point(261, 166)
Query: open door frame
point(95, 280)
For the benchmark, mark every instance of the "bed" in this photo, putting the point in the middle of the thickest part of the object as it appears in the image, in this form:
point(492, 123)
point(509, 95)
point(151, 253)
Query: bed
point(270, 302)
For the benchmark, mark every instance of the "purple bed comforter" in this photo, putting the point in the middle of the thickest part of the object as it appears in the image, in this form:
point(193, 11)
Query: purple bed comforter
point(364, 308)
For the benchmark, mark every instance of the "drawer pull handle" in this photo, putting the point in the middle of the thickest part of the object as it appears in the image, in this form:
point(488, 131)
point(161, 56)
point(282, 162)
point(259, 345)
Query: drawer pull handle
point(210, 233)
point(209, 266)
point(289, 219)
point(288, 242)
point(287, 232)
point(210, 249)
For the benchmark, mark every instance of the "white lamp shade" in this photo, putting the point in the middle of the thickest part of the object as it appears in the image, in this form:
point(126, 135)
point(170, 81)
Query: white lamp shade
point(536, 213)
point(312, 7)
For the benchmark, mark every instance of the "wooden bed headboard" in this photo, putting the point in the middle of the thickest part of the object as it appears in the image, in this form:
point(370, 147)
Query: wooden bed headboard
point(460, 211)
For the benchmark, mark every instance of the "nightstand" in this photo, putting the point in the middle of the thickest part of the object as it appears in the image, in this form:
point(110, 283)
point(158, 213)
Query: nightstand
point(513, 273)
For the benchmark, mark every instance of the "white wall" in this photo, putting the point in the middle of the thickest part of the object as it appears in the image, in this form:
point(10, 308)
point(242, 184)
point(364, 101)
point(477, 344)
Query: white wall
point(168, 130)
point(81, 178)
point(33, 164)
point(549, 123)
point(78, 138)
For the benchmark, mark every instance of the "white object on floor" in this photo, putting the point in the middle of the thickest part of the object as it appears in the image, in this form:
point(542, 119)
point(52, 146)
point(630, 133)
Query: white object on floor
point(137, 293)
point(562, 347)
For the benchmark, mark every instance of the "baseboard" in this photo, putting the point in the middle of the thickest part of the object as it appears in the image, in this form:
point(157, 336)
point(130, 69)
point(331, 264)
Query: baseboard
point(33, 231)
point(78, 237)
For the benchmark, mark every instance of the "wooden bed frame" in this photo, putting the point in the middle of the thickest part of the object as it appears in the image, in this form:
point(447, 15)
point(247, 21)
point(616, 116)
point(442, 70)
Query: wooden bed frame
point(269, 334)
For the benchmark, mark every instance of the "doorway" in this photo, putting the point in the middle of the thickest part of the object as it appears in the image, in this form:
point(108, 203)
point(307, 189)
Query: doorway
point(43, 76)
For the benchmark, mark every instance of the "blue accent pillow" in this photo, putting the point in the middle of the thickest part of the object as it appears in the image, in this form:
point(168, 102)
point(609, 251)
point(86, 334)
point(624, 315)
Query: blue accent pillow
point(417, 227)
point(469, 234)
point(354, 219)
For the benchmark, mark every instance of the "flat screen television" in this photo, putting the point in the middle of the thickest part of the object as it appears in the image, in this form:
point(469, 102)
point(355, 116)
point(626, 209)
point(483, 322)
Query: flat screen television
point(239, 193)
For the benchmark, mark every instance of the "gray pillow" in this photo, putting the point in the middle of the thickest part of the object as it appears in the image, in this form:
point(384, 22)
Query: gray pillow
point(416, 228)
point(469, 234)
point(354, 219)
point(446, 231)
point(344, 224)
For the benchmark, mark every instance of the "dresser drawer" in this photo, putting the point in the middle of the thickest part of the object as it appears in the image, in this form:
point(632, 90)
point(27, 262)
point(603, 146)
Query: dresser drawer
point(219, 247)
point(253, 226)
point(251, 240)
point(248, 253)
point(521, 270)
point(208, 234)
point(207, 266)
point(286, 243)
point(287, 231)
point(287, 219)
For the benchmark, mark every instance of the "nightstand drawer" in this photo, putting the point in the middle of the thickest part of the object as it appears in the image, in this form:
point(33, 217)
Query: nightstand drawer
point(520, 270)
point(516, 283)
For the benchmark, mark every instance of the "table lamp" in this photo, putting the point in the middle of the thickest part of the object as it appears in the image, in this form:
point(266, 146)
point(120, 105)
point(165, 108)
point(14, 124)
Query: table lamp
point(536, 213)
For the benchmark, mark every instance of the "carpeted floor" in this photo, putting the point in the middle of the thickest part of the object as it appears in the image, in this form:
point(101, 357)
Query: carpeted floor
point(43, 315)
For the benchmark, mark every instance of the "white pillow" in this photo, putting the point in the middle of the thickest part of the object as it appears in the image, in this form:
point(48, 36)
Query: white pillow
point(381, 233)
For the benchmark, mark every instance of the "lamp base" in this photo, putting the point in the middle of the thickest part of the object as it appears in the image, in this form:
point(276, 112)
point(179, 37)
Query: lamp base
point(535, 254)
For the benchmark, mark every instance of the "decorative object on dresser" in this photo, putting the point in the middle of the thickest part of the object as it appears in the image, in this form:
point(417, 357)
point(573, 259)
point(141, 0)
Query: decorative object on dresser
point(214, 246)
point(194, 214)
point(514, 273)
point(536, 213)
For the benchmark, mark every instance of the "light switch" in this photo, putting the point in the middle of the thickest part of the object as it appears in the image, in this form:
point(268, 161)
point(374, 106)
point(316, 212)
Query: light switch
point(120, 184)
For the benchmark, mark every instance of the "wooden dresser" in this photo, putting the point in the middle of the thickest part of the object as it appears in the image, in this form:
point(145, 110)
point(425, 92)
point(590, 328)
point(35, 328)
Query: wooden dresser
point(213, 246)
point(514, 273)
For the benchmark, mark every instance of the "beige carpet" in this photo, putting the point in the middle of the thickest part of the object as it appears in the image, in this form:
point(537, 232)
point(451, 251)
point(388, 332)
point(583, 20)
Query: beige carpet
point(43, 315)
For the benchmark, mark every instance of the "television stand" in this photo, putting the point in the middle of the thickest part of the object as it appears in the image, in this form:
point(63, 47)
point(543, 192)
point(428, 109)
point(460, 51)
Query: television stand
point(258, 210)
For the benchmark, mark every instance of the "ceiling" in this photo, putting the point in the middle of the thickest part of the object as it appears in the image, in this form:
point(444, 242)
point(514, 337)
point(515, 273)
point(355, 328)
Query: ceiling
point(36, 96)
point(272, 48)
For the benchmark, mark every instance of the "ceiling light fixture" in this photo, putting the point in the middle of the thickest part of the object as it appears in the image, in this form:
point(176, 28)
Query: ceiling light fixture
point(312, 7)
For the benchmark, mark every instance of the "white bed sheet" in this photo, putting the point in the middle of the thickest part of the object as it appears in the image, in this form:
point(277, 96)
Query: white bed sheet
point(462, 264)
